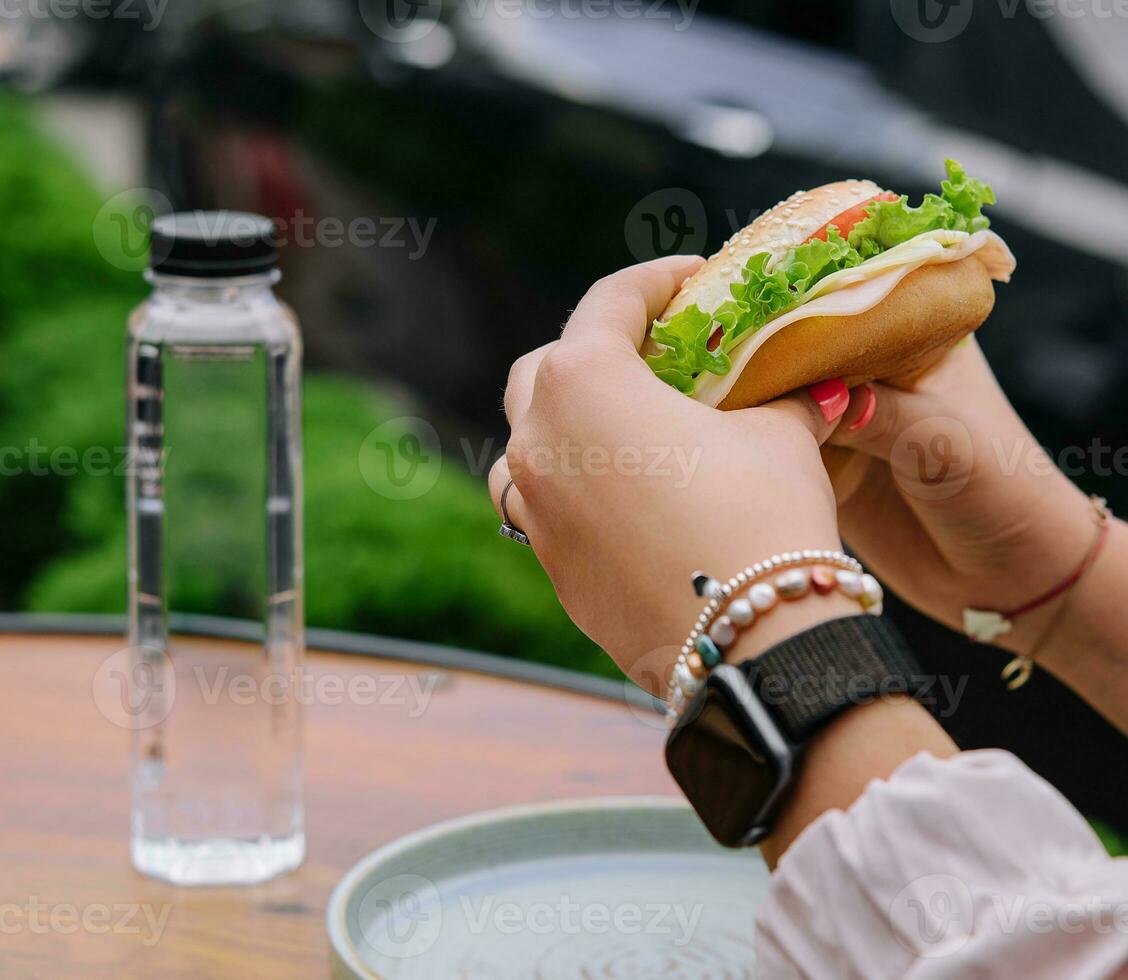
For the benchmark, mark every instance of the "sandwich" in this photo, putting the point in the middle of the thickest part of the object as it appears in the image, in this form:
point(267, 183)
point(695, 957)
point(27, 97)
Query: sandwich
point(844, 281)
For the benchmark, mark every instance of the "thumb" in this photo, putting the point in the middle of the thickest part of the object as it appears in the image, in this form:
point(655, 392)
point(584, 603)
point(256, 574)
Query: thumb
point(819, 408)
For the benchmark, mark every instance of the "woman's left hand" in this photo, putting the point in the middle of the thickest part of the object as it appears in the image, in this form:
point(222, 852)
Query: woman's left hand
point(626, 486)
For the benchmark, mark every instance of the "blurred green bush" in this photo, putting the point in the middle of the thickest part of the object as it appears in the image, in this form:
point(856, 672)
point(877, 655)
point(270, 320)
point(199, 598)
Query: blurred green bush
point(432, 568)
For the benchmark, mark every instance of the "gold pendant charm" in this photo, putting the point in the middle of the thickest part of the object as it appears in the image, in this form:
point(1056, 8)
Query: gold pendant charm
point(985, 625)
point(1017, 672)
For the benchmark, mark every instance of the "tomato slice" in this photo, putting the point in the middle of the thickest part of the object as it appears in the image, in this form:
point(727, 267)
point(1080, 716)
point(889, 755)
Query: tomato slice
point(845, 221)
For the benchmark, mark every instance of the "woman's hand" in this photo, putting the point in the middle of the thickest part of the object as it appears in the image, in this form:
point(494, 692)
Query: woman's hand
point(952, 502)
point(625, 486)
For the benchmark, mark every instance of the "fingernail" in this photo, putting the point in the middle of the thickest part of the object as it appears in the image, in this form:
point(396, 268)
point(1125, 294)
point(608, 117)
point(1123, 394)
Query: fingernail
point(832, 397)
point(869, 406)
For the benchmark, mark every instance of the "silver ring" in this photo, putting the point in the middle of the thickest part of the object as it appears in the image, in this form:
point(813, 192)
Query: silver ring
point(507, 530)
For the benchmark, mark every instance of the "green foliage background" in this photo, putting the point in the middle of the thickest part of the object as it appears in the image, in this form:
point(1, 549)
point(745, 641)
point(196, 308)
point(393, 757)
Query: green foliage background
point(431, 568)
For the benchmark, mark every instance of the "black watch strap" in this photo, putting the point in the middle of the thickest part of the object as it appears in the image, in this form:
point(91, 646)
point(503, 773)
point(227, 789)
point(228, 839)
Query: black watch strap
point(809, 678)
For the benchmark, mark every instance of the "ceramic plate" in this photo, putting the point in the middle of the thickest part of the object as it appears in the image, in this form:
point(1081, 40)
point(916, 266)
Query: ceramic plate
point(629, 888)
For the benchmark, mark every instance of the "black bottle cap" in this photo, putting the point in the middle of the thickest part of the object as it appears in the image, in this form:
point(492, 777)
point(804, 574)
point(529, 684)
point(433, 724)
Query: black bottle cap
point(212, 244)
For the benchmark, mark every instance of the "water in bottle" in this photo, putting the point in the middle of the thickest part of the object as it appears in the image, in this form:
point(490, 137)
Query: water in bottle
point(215, 530)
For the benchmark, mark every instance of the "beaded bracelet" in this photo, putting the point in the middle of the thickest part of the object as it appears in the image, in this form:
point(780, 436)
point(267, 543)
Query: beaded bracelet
point(797, 574)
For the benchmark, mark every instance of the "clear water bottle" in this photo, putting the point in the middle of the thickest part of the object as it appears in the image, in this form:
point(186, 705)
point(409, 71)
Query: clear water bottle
point(215, 528)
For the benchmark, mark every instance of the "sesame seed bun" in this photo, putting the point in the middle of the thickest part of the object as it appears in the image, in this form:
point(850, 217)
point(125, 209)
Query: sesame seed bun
point(789, 223)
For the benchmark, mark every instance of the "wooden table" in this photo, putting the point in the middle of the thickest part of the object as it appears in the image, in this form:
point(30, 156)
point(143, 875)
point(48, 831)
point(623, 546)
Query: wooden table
point(373, 774)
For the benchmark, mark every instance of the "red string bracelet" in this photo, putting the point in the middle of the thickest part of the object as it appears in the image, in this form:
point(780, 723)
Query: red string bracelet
point(985, 625)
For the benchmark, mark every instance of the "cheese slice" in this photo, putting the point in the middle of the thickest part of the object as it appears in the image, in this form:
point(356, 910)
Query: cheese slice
point(856, 290)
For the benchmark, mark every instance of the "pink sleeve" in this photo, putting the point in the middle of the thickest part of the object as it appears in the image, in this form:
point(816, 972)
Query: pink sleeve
point(968, 867)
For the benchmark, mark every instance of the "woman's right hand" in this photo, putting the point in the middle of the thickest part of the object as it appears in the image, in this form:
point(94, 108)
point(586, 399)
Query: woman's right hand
point(951, 501)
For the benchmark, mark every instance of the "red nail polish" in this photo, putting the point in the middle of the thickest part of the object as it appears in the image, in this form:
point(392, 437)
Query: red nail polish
point(832, 397)
point(868, 410)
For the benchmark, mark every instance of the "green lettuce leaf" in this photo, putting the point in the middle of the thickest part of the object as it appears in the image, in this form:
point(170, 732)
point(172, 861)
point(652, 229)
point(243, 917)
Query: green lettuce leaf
point(763, 295)
point(958, 207)
point(685, 338)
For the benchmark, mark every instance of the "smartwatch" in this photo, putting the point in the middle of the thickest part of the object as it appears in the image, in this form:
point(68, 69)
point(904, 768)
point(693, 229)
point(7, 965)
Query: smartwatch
point(736, 749)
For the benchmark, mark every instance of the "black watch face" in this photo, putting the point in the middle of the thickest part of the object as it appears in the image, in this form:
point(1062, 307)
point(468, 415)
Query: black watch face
point(729, 759)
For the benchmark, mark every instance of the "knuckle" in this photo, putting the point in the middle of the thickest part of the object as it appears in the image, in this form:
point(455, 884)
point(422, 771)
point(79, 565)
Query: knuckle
point(621, 293)
point(885, 426)
point(518, 379)
point(518, 369)
point(520, 457)
point(560, 369)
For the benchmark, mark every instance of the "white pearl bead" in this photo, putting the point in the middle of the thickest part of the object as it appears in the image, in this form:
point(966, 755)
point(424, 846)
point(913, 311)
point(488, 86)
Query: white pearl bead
point(683, 676)
point(741, 612)
point(872, 592)
point(793, 584)
point(850, 583)
point(762, 596)
point(722, 632)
